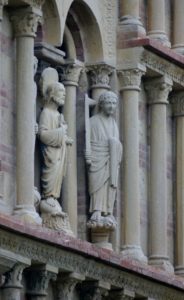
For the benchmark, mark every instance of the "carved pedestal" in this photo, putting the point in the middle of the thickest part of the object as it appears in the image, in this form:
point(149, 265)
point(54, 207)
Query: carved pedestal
point(100, 232)
point(57, 222)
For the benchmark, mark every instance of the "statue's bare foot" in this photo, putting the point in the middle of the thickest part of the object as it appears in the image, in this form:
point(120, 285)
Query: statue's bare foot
point(96, 216)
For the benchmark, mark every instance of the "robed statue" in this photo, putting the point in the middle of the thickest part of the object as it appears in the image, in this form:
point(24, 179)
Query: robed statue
point(103, 156)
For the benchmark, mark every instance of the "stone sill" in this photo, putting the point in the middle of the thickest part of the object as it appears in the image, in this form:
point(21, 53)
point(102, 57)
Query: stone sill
point(89, 250)
point(158, 48)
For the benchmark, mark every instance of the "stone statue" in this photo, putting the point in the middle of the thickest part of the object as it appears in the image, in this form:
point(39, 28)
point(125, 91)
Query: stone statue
point(54, 141)
point(103, 159)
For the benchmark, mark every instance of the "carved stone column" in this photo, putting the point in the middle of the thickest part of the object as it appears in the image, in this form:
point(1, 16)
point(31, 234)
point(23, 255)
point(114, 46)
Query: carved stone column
point(70, 77)
point(178, 103)
point(13, 283)
point(94, 290)
point(178, 35)
point(99, 75)
point(157, 30)
point(37, 282)
point(66, 284)
point(130, 81)
point(130, 19)
point(25, 25)
point(158, 90)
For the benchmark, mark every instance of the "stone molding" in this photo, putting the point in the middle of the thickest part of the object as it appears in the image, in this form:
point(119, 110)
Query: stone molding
point(163, 67)
point(70, 72)
point(177, 101)
point(130, 79)
point(99, 75)
point(38, 280)
point(13, 278)
point(158, 90)
point(73, 262)
point(25, 22)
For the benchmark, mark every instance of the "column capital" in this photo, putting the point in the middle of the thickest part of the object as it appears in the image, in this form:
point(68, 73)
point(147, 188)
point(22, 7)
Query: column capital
point(37, 280)
point(65, 285)
point(13, 278)
point(158, 90)
point(25, 21)
point(122, 295)
point(94, 290)
point(2, 4)
point(130, 79)
point(99, 75)
point(177, 101)
point(69, 73)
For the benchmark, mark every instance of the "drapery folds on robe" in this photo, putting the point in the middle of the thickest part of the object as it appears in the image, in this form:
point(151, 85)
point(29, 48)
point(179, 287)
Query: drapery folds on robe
point(106, 153)
point(53, 137)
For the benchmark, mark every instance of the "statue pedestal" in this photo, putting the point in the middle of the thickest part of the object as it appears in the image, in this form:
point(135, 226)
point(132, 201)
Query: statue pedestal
point(57, 222)
point(101, 230)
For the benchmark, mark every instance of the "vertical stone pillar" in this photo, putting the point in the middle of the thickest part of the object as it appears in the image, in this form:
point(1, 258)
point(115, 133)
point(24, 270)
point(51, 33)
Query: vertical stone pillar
point(12, 286)
point(158, 90)
point(25, 25)
point(99, 75)
point(130, 19)
point(178, 34)
point(178, 103)
point(70, 78)
point(130, 81)
point(157, 27)
point(66, 284)
point(37, 281)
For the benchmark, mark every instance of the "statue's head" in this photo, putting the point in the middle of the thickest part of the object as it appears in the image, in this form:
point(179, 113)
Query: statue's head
point(56, 92)
point(107, 103)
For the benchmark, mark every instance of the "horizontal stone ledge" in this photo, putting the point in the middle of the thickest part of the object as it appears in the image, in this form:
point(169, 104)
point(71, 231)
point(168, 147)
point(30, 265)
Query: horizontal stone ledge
point(29, 240)
point(158, 48)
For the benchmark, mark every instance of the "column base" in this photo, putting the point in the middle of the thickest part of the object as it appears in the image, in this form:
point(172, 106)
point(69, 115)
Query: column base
point(131, 27)
point(179, 270)
point(132, 252)
point(179, 48)
point(161, 262)
point(160, 36)
point(28, 214)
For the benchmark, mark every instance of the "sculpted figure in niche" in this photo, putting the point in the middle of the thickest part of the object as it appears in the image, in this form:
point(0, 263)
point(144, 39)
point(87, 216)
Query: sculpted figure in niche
point(53, 135)
point(104, 160)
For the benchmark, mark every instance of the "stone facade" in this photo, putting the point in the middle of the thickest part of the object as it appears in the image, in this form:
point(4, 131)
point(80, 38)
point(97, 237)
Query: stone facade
point(129, 48)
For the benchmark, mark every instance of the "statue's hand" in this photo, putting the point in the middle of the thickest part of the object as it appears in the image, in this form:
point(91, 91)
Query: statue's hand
point(69, 141)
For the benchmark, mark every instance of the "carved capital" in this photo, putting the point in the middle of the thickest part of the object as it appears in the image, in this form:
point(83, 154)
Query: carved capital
point(2, 4)
point(69, 73)
point(177, 101)
point(38, 280)
point(130, 79)
point(99, 75)
point(66, 284)
point(122, 295)
point(25, 22)
point(94, 291)
point(13, 278)
point(158, 90)
point(35, 3)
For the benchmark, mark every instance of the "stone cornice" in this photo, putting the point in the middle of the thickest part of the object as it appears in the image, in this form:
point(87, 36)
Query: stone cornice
point(107, 266)
point(25, 21)
point(177, 101)
point(158, 90)
point(99, 75)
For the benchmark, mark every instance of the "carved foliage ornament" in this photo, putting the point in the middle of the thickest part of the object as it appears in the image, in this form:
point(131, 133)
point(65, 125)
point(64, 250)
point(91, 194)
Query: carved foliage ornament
point(25, 24)
point(100, 74)
point(177, 100)
point(14, 276)
point(70, 72)
point(130, 78)
point(158, 92)
point(65, 288)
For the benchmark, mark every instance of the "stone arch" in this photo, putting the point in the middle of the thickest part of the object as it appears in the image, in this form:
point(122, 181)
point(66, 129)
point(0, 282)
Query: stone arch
point(86, 36)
